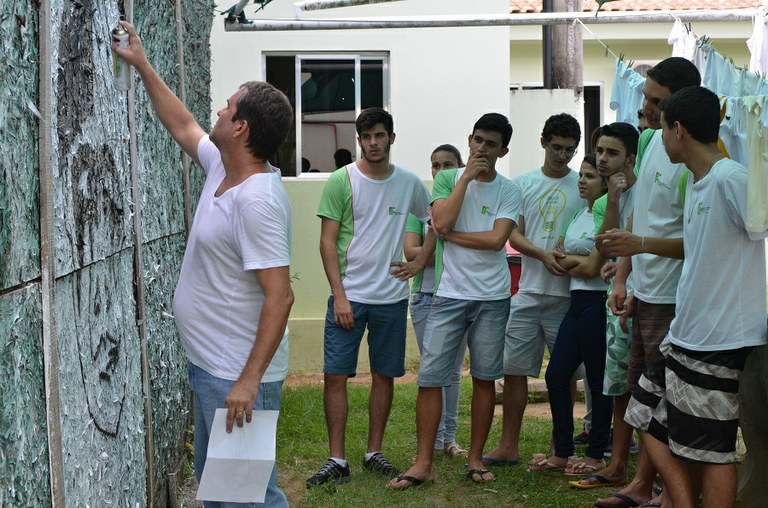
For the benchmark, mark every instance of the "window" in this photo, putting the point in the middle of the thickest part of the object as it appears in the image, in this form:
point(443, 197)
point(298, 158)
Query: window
point(327, 93)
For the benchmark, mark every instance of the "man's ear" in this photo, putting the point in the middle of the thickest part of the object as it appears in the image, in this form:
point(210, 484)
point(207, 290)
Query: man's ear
point(241, 128)
point(469, 140)
point(630, 162)
point(392, 138)
point(504, 151)
point(543, 143)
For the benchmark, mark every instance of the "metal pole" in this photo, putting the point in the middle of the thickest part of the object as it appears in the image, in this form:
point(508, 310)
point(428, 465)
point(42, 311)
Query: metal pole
point(555, 18)
point(316, 5)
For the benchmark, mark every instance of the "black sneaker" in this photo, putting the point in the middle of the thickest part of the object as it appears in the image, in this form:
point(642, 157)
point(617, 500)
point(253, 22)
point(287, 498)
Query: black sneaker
point(581, 439)
point(331, 471)
point(379, 464)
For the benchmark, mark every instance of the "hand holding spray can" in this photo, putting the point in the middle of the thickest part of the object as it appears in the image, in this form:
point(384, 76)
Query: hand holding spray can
point(120, 70)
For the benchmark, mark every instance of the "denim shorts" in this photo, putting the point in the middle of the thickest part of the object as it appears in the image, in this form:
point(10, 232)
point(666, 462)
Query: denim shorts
point(449, 319)
point(210, 392)
point(386, 326)
point(533, 323)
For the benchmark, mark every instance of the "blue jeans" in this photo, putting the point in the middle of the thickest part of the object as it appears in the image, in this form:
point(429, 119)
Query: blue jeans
point(581, 338)
point(210, 392)
point(421, 303)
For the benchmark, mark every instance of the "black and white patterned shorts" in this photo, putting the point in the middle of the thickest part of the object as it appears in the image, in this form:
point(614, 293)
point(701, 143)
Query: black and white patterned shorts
point(688, 399)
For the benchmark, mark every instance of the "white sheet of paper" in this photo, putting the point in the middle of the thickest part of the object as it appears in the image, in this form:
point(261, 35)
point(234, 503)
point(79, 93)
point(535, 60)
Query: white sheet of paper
point(239, 464)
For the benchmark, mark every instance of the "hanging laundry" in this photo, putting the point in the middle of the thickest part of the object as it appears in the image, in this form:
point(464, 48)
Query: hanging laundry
point(757, 186)
point(683, 42)
point(758, 43)
point(627, 93)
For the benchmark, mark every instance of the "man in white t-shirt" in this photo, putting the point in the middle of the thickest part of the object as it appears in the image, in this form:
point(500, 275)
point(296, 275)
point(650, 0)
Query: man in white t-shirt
point(234, 295)
point(686, 403)
point(549, 198)
point(653, 241)
point(364, 209)
point(474, 210)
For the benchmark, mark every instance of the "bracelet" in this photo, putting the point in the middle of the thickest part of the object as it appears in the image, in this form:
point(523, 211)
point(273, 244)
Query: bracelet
point(642, 244)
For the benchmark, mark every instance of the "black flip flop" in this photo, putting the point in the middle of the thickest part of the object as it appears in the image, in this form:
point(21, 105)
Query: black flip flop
point(628, 502)
point(412, 482)
point(480, 473)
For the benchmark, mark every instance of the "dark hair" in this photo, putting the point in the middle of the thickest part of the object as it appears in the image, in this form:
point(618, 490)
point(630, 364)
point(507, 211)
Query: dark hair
point(591, 159)
point(495, 122)
point(305, 165)
point(563, 125)
point(624, 132)
point(675, 73)
point(368, 119)
point(695, 108)
point(452, 150)
point(269, 115)
point(640, 114)
point(342, 157)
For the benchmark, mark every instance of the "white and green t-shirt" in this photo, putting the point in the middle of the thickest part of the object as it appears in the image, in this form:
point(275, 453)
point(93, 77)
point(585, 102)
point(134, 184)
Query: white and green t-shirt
point(472, 274)
point(721, 296)
point(546, 205)
point(659, 213)
point(579, 237)
point(424, 281)
point(372, 215)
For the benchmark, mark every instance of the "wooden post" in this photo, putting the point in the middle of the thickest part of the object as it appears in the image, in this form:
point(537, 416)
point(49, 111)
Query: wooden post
point(47, 262)
point(568, 50)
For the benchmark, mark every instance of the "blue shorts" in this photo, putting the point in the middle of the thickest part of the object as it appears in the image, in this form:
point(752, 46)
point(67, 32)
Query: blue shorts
point(386, 326)
point(449, 319)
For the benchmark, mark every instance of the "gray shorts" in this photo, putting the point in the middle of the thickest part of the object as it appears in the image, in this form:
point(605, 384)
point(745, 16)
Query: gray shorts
point(533, 323)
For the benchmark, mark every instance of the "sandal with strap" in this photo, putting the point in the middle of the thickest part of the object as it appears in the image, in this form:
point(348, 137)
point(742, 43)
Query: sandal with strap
point(453, 449)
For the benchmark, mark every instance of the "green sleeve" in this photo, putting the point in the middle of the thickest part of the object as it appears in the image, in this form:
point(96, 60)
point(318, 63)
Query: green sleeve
point(336, 196)
point(642, 144)
point(445, 181)
point(682, 183)
point(598, 211)
point(414, 225)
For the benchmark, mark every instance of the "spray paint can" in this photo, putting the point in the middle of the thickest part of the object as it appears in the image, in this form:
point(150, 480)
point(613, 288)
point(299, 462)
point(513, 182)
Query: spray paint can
point(120, 70)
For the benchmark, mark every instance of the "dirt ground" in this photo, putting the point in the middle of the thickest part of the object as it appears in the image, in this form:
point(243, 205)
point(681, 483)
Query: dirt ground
point(188, 489)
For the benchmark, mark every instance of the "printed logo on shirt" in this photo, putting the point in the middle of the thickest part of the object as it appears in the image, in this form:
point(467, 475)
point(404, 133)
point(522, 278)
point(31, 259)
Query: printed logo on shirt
point(701, 209)
point(486, 210)
point(657, 181)
point(584, 236)
point(551, 205)
point(393, 211)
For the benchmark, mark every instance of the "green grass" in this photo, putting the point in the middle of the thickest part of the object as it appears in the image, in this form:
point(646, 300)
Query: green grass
point(302, 446)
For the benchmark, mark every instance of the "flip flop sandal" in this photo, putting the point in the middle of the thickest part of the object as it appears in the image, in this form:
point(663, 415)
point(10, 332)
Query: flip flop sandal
point(540, 464)
point(481, 473)
point(412, 482)
point(627, 502)
point(602, 481)
point(582, 468)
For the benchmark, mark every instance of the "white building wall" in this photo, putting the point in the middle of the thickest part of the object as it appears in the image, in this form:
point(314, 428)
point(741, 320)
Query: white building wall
point(441, 79)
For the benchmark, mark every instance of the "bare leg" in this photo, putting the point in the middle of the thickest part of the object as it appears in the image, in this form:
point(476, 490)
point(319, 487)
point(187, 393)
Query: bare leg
point(429, 404)
point(718, 485)
point(336, 408)
point(483, 401)
point(514, 402)
point(622, 437)
point(641, 487)
point(678, 489)
point(379, 404)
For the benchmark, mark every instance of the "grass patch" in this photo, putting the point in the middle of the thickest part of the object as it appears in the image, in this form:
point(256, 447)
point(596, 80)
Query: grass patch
point(302, 446)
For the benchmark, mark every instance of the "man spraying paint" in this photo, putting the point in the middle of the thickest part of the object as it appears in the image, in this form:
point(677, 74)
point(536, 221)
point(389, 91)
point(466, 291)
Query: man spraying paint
point(235, 271)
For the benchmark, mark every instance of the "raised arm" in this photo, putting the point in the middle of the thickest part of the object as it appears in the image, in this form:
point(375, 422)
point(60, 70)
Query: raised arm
point(278, 300)
point(170, 110)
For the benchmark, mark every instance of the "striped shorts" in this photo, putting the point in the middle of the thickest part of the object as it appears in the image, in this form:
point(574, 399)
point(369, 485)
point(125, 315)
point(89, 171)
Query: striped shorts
point(688, 399)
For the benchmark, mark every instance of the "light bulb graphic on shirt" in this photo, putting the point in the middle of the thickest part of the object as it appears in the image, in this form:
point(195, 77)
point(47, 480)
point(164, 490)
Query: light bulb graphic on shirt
point(551, 205)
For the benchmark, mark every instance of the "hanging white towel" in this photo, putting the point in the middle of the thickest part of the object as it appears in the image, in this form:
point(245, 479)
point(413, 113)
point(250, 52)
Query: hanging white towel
point(682, 41)
point(758, 43)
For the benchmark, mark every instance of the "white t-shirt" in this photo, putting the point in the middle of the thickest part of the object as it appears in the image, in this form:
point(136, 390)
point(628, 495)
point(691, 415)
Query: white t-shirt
point(721, 297)
point(580, 240)
point(472, 274)
point(218, 300)
point(546, 204)
point(372, 216)
point(658, 213)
